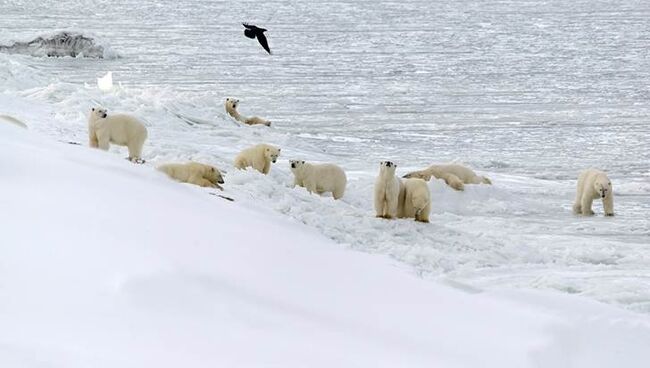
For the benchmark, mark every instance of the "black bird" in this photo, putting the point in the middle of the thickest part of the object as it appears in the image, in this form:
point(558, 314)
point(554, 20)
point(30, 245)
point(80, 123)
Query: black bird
point(252, 31)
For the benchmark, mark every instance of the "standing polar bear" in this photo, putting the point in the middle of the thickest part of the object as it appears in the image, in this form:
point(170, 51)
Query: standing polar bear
point(231, 109)
point(120, 129)
point(194, 173)
point(592, 184)
point(258, 157)
point(319, 178)
point(387, 188)
point(456, 176)
point(414, 200)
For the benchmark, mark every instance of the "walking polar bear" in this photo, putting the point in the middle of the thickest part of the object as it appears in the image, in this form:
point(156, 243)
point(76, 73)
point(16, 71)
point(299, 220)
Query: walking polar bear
point(194, 173)
point(414, 200)
point(120, 129)
point(258, 157)
point(456, 176)
point(592, 184)
point(231, 109)
point(319, 178)
point(387, 190)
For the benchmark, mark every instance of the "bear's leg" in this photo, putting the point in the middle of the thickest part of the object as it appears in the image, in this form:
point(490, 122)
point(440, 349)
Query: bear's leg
point(103, 143)
point(135, 151)
point(391, 204)
point(380, 204)
point(485, 180)
point(311, 186)
point(257, 165)
point(267, 167)
point(240, 163)
point(585, 203)
point(423, 214)
point(577, 206)
point(338, 193)
point(608, 204)
point(197, 180)
point(453, 181)
point(92, 140)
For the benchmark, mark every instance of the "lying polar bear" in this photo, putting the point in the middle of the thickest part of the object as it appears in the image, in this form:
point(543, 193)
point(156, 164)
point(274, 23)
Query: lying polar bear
point(319, 178)
point(231, 109)
point(259, 157)
point(120, 129)
point(414, 200)
point(456, 176)
point(593, 184)
point(194, 173)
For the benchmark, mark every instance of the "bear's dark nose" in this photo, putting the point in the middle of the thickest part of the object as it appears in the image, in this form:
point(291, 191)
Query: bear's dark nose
point(293, 165)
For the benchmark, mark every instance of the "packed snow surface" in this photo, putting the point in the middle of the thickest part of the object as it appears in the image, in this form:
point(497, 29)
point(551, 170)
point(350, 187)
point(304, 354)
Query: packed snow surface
point(108, 264)
point(527, 93)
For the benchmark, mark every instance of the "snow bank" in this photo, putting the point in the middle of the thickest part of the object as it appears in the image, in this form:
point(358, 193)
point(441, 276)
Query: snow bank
point(104, 263)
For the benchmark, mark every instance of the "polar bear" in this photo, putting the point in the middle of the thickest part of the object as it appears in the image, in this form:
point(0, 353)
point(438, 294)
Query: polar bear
point(194, 173)
point(259, 157)
point(12, 120)
point(387, 188)
point(414, 199)
point(592, 184)
point(456, 176)
point(319, 178)
point(231, 109)
point(120, 129)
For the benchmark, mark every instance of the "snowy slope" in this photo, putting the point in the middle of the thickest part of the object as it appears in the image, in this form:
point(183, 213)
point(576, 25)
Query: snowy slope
point(104, 263)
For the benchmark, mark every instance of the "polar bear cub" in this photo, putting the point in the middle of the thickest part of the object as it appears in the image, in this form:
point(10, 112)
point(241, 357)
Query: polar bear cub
point(593, 184)
point(319, 178)
point(120, 129)
point(259, 157)
point(194, 173)
point(456, 176)
point(414, 200)
point(231, 108)
point(387, 187)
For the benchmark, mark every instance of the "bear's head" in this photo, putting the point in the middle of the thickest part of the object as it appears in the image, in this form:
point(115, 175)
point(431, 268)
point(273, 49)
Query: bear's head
point(603, 186)
point(271, 153)
point(296, 165)
point(418, 174)
point(214, 175)
point(98, 112)
point(387, 167)
point(231, 103)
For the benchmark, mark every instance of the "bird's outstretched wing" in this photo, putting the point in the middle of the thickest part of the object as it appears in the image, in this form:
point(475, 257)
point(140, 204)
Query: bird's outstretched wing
point(249, 33)
point(248, 26)
point(262, 39)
